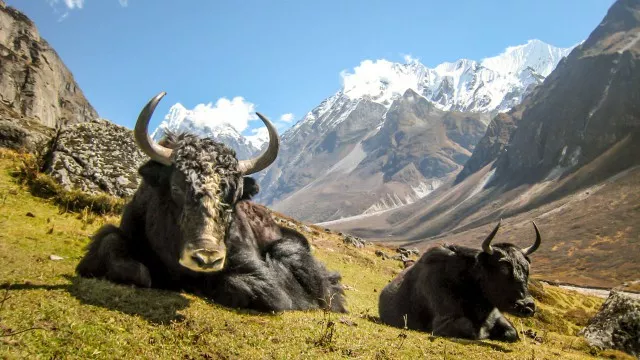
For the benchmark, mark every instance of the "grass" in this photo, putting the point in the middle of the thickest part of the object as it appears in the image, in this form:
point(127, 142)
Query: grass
point(48, 312)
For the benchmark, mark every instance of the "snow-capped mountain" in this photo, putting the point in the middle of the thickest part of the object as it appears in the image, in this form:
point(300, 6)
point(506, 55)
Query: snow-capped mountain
point(337, 130)
point(180, 119)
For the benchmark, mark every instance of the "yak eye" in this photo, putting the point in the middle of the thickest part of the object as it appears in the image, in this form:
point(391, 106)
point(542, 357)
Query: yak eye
point(506, 268)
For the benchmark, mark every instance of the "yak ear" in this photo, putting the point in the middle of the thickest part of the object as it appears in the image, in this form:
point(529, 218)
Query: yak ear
point(155, 173)
point(250, 188)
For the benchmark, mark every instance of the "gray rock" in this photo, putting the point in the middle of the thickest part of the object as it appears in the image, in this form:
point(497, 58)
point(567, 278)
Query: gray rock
point(96, 157)
point(33, 79)
point(354, 241)
point(616, 325)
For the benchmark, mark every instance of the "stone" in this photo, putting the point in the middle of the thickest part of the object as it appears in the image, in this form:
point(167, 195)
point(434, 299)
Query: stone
point(96, 157)
point(616, 325)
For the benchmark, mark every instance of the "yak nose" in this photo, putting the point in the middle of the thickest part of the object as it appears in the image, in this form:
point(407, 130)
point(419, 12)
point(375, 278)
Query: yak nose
point(208, 258)
point(527, 307)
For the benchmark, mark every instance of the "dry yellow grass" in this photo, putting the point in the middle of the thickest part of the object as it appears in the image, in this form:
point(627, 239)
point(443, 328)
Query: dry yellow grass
point(72, 318)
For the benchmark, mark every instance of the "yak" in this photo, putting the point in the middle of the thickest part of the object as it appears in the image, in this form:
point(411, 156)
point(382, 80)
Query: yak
point(460, 292)
point(191, 226)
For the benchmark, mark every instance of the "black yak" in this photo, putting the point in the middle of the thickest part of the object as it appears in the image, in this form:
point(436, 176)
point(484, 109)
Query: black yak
point(190, 226)
point(456, 291)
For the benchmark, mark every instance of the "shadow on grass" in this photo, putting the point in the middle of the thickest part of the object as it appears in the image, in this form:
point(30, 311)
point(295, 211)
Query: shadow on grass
point(376, 320)
point(155, 306)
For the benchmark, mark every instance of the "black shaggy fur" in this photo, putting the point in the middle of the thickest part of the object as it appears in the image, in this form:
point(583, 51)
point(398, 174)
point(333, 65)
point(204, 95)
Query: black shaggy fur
point(268, 267)
point(456, 291)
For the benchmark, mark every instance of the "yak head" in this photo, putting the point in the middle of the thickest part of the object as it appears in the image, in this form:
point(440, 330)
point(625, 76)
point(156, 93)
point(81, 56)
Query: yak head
point(202, 179)
point(503, 270)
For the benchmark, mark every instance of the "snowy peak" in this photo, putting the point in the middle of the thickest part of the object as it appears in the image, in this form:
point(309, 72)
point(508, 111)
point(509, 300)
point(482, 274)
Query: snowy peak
point(493, 84)
point(535, 55)
point(180, 119)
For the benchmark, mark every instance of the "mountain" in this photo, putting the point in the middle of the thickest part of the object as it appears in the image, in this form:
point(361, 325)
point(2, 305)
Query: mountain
point(566, 157)
point(333, 134)
point(179, 119)
point(37, 91)
point(394, 164)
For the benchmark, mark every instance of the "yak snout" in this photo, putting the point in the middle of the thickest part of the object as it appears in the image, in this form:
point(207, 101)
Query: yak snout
point(201, 258)
point(525, 307)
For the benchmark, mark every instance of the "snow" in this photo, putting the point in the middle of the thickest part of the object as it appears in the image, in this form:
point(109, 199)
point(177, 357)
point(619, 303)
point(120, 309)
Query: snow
point(464, 85)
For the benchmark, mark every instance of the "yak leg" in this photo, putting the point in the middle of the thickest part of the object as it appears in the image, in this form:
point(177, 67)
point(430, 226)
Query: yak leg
point(500, 328)
point(457, 327)
point(108, 256)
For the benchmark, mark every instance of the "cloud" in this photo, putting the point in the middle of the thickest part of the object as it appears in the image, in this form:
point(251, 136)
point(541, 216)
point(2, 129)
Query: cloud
point(70, 4)
point(379, 79)
point(408, 59)
point(288, 117)
point(236, 112)
point(259, 137)
point(124, 3)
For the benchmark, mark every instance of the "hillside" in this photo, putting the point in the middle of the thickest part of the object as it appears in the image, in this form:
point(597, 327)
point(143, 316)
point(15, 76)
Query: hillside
point(566, 157)
point(333, 136)
point(34, 82)
point(55, 314)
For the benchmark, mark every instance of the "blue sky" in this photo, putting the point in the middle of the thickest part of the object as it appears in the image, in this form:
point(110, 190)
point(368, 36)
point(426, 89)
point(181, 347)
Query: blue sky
point(281, 57)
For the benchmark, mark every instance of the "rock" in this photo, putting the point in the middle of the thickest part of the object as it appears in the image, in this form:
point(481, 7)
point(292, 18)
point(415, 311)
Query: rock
point(33, 79)
point(616, 325)
point(30, 214)
point(408, 252)
point(21, 134)
point(380, 253)
point(55, 257)
point(96, 157)
point(354, 241)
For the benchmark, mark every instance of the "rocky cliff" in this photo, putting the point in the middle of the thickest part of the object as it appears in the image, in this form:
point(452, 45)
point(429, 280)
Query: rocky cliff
point(34, 82)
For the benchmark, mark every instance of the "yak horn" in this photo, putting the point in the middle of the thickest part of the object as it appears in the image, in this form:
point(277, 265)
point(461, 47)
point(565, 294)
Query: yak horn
point(261, 162)
point(486, 244)
point(531, 249)
point(156, 152)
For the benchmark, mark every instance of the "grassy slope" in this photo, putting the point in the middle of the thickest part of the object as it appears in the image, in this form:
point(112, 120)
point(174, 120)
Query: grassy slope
point(81, 318)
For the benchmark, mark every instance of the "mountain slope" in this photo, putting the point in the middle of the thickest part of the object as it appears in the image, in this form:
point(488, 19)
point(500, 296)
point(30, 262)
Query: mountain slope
point(566, 157)
point(485, 87)
point(34, 82)
point(409, 156)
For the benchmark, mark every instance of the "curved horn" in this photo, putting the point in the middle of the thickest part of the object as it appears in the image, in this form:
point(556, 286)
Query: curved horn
point(156, 152)
point(269, 156)
point(531, 249)
point(486, 244)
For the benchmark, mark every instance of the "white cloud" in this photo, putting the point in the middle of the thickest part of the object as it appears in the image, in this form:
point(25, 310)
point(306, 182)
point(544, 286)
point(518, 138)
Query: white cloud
point(408, 59)
point(288, 117)
point(379, 79)
point(259, 137)
point(236, 112)
point(124, 3)
point(72, 4)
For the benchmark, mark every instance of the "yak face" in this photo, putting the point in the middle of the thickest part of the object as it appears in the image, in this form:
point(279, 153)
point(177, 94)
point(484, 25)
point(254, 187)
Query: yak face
point(203, 180)
point(505, 276)
point(203, 184)
point(503, 271)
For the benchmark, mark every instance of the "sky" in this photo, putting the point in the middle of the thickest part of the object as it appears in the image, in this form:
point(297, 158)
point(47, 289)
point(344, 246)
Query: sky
point(224, 60)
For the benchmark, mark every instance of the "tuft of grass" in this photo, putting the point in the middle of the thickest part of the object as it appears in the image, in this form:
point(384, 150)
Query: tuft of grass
point(89, 318)
point(26, 169)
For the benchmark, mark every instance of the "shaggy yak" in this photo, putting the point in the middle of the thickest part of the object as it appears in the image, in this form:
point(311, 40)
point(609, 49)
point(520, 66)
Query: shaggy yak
point(190, 226)
point(456, 291)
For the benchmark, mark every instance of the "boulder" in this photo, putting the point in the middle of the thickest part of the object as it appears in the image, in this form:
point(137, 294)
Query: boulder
point(94, 157)
point(616, 325)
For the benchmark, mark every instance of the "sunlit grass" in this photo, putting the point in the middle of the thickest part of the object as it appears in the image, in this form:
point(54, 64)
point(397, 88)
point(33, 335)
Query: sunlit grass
point(63, 316)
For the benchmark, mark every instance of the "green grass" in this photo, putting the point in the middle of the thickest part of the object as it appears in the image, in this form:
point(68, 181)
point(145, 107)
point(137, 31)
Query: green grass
point(63, 316)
